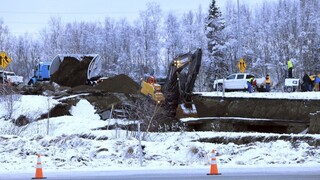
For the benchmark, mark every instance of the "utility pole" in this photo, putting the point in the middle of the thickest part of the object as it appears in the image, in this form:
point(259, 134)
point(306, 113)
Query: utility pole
point(3, 88)
point(239, 34)
point(140, 147)
point(48, 121)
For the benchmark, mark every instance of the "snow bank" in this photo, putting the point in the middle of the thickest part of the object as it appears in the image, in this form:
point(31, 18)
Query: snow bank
point(267, 95)
point(75, 142)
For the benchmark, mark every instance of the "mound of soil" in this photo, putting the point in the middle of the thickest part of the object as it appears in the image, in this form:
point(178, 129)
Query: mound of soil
point(72, 72)
point(119, 84)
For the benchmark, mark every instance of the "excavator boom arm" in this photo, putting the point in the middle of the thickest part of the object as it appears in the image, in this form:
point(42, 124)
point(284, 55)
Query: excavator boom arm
point(179, 85)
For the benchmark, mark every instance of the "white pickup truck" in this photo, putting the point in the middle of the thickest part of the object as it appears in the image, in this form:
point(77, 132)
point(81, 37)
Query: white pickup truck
point(10, 77)
point(235, 82)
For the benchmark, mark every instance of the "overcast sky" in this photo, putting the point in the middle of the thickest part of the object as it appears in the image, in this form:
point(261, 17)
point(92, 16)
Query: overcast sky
point(32, 15)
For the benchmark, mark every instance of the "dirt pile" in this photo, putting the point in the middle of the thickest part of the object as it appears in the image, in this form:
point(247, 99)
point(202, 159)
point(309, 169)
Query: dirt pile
point(72, 72)
point(119, 84)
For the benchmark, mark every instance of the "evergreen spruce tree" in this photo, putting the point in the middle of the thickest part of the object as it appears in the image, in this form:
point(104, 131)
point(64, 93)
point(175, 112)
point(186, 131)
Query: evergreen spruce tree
point(217, 66)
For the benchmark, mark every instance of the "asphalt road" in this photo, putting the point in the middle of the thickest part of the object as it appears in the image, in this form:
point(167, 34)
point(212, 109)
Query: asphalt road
point(178, 174)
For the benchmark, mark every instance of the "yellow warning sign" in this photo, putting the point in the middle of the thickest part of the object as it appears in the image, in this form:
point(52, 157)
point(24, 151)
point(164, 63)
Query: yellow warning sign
point(242, 65)
point(4, 60)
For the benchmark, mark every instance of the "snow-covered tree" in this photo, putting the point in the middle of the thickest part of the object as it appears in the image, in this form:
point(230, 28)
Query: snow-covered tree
point(108, 46)
point(189, 29)
point(25, 55)
point(125, 64)
point(52, 38)
point(173, 37)
point(309, 36)
point(4, 36)
point(149, 29)
point(81, 38)
point(217, 65)
point(231, 35)
point(270, 34)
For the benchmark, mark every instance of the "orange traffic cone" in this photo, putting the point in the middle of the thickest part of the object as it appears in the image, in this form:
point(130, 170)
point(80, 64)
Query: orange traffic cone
point(39, 173)
point(214, 166)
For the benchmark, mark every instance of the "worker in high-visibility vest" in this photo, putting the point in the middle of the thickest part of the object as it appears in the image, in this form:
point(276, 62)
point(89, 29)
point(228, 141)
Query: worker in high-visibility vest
point(250, 83)
point(316, 82)
point(290, 67)
point(268, 83)
point(307, 82)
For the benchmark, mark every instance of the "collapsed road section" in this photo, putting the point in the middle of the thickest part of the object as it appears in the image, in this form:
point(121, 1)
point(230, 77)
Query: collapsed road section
point(254, 114)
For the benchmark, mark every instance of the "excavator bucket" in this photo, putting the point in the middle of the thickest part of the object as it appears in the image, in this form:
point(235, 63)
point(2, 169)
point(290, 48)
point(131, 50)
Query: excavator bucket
point(186, 110)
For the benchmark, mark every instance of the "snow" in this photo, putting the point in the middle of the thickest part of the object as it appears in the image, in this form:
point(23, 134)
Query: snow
point(76, 142)
point(269, 95)
point(30, 106)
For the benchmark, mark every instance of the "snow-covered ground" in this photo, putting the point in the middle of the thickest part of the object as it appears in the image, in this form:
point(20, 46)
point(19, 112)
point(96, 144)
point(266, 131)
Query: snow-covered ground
point(73, 143)
point(269, 95)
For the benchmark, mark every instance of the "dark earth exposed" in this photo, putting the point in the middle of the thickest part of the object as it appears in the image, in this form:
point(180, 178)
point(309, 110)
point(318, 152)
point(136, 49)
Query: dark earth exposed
point(273, 115)
point(72, 72)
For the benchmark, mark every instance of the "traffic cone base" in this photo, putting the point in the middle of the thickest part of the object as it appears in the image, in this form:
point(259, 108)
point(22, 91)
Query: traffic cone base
point(214, 174)
point(39, 178)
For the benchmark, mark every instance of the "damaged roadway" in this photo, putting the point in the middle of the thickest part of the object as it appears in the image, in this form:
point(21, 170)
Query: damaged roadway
point(257, 114)
point(121, 92)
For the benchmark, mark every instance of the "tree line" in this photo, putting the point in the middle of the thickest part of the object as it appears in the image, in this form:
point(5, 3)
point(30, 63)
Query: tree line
point(268, 35)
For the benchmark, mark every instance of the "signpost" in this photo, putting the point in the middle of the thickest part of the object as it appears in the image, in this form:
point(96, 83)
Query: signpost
point(242, 65)
point(4, 62)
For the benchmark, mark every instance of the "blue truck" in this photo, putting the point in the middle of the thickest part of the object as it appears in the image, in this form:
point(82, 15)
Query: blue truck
point(41, 73)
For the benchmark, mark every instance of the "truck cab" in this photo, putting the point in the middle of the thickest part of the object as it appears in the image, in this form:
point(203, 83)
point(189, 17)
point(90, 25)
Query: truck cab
point(41, 73)
point(10, 77)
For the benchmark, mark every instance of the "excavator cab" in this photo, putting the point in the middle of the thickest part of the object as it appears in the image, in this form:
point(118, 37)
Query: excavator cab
point(152, 89)
point(151, 79)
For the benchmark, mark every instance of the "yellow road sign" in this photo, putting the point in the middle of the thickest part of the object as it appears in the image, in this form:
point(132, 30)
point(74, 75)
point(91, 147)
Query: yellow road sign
point(4, 60)
point(242, 65)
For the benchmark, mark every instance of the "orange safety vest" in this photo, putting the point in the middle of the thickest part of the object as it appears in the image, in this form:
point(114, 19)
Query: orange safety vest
point(268, 80)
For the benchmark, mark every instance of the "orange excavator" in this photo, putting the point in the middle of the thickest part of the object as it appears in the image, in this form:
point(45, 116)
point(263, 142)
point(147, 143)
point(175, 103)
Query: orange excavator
point(152, 89)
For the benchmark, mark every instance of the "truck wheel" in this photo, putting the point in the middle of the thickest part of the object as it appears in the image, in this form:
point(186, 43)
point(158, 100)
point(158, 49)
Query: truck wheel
point(31, 83)
point(289, 89)
point(220, 87)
